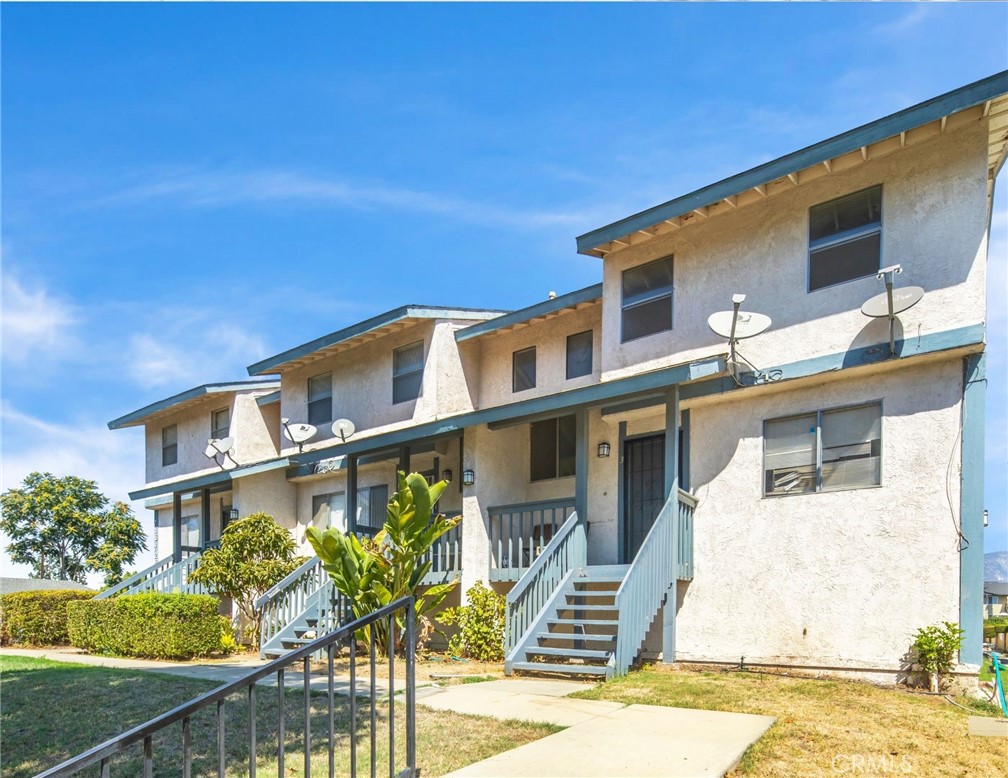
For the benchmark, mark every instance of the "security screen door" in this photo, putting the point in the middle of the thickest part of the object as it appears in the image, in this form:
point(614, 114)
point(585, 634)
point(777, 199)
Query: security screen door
point(643, 490)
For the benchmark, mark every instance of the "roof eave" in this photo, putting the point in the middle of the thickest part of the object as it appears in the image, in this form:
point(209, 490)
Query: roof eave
point(559, 303)
point(138, 417)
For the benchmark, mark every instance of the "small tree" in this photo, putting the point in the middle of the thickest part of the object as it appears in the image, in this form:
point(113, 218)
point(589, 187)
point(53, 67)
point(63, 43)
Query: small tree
point(934, 648)
point(255, 553)
point(375, 571)
point(64, 528)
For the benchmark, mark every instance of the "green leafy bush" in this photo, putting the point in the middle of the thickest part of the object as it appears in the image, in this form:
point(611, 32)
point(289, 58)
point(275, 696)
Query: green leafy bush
point(37, 618)
point(154, 626)
point(481, 625)
point(934, 649)
point(995, 626)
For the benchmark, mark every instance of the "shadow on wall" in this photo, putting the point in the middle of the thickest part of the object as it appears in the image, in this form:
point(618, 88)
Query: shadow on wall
point(871, 344)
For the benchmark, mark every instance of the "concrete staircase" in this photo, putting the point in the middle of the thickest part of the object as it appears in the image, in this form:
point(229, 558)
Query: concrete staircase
point(579, 634)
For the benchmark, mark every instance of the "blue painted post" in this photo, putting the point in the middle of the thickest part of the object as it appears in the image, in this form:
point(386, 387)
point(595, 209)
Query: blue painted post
point(971, 504)
point(581, 471)
point(177, 527)
point(351, 493)
point(620, 491)
point(671, 490)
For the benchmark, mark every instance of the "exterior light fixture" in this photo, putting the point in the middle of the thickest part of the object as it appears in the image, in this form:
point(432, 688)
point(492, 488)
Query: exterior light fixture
point(446, 475)
point(468, 477)
point(233, 514)
point(603, 450)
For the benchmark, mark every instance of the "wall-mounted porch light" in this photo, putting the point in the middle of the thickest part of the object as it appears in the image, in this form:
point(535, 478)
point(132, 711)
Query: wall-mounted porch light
point(446, 475)
point(603, 450)
point(468, 477)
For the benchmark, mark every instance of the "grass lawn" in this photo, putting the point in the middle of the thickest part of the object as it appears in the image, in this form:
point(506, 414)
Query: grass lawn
point(821, 724)
point(53, 710)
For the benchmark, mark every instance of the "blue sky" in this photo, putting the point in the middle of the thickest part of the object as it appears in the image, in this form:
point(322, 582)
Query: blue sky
point(190, 188)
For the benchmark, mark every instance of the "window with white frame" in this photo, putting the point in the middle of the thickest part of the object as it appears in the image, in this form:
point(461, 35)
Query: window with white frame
point(329, 510)
point(407, 372)
point(169, 445)
point(523, 369)
point(845, 238)
point(552, 448)
point(823, 451)
point(579, 354)
point(320, 399)
point(220, 423)
point(647, 299)
point(191, 531)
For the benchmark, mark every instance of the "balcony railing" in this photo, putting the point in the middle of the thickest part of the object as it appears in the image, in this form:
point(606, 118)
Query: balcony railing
point(519, 533)
point(445, 556)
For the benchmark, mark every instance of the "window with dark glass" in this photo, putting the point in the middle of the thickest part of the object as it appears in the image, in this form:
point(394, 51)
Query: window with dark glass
point(320, 399)
point(823, 451)
point(169, 445)
point(220, 423)
point(329, 510)
point(845, 238)
point(579, 354)
point(372, 507)
point(523, 369)
point(407, 372)
point(647, 299)
point(553, 444)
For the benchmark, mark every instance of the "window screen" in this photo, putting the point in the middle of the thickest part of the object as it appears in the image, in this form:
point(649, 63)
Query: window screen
point(523, 370)
point(845, 238)
point(407, 372)
point(320, 399)
point(790, 455)
point(191, 531)
point(579, 354)
point(372, 507)
point(169, 445)
point(220, 423)
point(329, 510)
point(553, 446)
point(647, 299)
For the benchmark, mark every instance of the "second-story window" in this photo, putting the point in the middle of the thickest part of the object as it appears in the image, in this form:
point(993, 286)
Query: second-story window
point(579, 354)
point(320, 399)
point(169, 445)
point(845, 238)
point(407, 372)
point(552, 448)
point(523, 369)
point(647, 299)
point(220, 423)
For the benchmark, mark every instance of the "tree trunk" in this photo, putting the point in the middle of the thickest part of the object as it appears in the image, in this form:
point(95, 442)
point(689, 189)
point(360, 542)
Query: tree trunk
point(933, 677)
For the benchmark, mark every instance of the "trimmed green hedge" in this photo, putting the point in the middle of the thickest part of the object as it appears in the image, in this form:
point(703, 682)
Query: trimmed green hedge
point(37, 618)
point(995, 626)
point(154, 626)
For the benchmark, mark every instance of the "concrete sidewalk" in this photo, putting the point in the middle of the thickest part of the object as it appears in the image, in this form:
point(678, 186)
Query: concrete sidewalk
point(602, 738)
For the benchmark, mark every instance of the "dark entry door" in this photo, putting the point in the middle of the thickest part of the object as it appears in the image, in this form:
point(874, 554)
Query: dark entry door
point(644, 490)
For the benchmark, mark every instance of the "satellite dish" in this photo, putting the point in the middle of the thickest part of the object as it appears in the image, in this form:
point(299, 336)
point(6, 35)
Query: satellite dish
point(216, 447)
point(892, 301)
point(344, 428)
point(298, 433)
point(736, 325)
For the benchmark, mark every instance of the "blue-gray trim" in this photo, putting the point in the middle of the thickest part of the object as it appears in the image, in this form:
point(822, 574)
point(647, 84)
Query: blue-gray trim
point(671, 492)
point(268, 399)
point(915, 116)
point(274, 363)
point(208, 480)
point(620, 491)
point(570, 299)
point(971, 506)
point(135, 418)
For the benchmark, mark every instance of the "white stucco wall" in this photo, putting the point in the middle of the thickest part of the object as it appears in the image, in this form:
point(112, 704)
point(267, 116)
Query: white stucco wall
point(934, 225)
point(269, 492)
point(839, 579)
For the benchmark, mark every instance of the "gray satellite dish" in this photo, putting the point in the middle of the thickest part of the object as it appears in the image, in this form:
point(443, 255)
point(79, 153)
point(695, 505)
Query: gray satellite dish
point(298, 433)
point(216, 447)
point(892, 301)
point(736, 325)
point(344, 428)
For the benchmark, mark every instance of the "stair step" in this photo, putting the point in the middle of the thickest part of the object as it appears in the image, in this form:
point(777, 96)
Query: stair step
point(587, 637)
point(586, 622)
point(592, 594)
point(575, 606)
point(574, 653)
point(543, 667)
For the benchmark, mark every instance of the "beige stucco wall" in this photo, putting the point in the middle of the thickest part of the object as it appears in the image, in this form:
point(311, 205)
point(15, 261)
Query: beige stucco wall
point(269, 492)
point(838, 578)
point(252, 427)
point(934, 225)
point(362, 384)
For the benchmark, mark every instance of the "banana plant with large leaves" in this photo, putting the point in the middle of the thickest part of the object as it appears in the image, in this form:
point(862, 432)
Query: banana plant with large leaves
point(372, 572)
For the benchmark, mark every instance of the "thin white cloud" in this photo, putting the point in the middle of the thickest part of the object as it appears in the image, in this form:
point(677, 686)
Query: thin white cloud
point(34, 322)
point(911, 20)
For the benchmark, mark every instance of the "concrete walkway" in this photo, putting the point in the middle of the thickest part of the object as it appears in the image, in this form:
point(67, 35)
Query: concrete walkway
point(602, 738)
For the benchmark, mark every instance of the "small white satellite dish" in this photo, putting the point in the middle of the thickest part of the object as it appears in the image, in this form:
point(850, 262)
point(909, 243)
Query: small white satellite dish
point(343, 429)
point(298, 433)
point(747, 324)
point(892, 301)
point(216, 447)
point(224, 445)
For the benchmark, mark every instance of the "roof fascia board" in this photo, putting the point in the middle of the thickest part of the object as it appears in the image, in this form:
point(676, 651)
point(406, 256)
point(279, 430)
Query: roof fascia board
point(880, 129)
point(268, 399)
point(210, 479)
point(588, 294)
point(271, 364)
point(137, 417)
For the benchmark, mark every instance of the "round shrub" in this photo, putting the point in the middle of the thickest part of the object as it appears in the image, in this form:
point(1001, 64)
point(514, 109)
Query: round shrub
point(37, 618)
point(480, 625)
point(153, 626)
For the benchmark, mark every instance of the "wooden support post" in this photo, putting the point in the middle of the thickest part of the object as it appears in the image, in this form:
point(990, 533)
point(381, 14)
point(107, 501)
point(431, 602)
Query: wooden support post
point(205, 510)
point(671, 490)
point(177, 527)
point(581, 464)
point(351, 493)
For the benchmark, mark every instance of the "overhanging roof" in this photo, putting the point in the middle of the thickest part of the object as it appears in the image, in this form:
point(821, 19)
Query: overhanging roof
point(981, 99)
point(138, 417)
point(375, 327)
point(546, 309)
point(209, 479)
